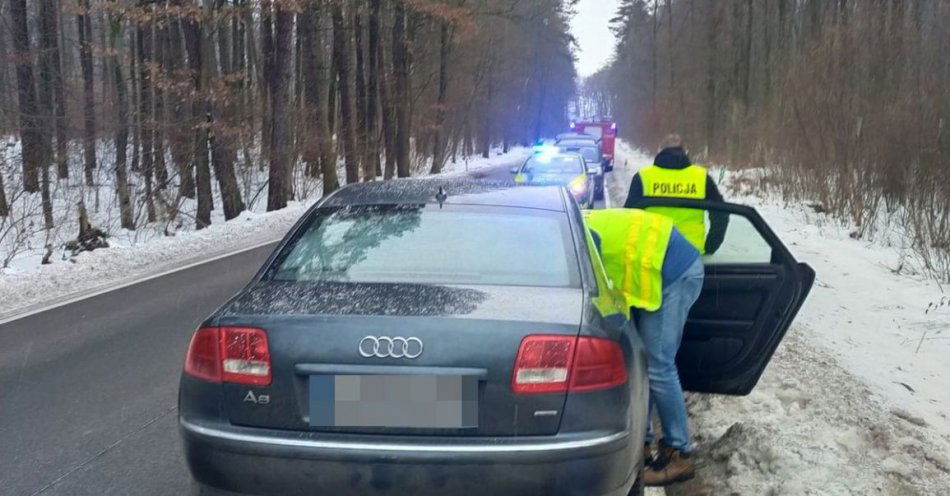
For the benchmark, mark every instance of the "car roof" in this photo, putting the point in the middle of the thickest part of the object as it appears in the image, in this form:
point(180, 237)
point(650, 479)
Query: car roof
point(559, 154)
point(578, 144)
point(576, 135)
point(458, 191)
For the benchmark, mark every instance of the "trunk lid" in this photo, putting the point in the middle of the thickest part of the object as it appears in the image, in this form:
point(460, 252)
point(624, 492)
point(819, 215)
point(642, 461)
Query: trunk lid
point(467, 335)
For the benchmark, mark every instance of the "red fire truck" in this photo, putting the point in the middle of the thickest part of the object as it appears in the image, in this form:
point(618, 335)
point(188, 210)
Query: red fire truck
point(604, 130)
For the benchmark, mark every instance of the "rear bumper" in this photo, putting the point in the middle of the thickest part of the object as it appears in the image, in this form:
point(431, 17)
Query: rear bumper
point(262, 461)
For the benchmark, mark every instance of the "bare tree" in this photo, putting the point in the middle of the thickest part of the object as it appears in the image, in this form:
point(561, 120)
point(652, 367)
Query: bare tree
point(341, 59)
point(26, 94)
point(84, 27)
point(122, 128)
point(373, 88)
point(401, 90)
point(279, 185)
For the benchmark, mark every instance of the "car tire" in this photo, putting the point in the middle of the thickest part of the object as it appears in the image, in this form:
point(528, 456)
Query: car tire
point(599, 189)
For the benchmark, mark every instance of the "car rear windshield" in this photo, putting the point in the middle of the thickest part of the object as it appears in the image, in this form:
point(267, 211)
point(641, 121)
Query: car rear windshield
point(594, 131)
point(432, 245)
point(590, 153)
point(556, 164)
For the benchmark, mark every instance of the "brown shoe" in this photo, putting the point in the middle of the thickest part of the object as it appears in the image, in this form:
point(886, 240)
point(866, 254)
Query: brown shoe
point(669, 467)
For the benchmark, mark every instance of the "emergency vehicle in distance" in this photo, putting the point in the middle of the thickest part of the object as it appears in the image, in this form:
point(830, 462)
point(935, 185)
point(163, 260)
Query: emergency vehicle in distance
point(606, 131)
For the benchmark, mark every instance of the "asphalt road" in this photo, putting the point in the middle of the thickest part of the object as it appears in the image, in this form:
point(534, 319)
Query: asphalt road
point(88, 390)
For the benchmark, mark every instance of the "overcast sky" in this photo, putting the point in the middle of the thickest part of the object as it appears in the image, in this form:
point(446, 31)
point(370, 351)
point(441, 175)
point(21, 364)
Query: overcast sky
point(591, 27)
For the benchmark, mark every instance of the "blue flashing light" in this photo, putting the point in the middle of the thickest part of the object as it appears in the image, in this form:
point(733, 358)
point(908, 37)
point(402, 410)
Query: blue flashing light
point(546, 150)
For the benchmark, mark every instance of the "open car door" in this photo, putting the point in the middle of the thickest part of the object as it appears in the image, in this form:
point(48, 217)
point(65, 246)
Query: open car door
point(753, 290)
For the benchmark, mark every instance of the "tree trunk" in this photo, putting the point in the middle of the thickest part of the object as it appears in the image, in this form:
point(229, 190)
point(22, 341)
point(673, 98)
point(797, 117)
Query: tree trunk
point(159, 43)
point(341, 59)
point(223, 153)
point(278, 188)
point(373, 90)
point(322, 160)
point(4, 206)
point(89, 104)
point(267, 76)
point(401, 90)
point(653, 48)
point(180, 137)
point(50, 34)
point(134, 101)
point(46, 198)
point(438, 141)
point(46, 104)
point(486, 128)
point(193, 32)
point(5, 86)
point(144, 42)
point(122, 128)
point(670, 39)
point(369, 171)
point(711, 75)
point(387, 113)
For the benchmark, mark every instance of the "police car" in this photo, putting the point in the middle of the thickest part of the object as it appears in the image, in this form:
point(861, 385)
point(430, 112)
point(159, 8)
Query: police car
point(549, 166)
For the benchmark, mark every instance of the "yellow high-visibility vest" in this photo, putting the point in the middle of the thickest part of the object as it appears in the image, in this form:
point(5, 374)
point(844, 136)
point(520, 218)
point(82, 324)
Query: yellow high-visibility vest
point(689, 183)
point(633, 246)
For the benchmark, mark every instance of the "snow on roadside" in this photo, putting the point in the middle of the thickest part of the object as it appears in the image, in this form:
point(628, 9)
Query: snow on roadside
point(855, 400)
point(138, 254)
point(107, 267)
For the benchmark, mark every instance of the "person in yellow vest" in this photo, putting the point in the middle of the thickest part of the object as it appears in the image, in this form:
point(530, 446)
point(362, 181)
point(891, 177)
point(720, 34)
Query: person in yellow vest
point(673, 175)
point(660, 274)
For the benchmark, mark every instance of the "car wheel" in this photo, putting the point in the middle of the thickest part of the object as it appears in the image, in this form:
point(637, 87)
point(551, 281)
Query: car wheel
point(599, 189)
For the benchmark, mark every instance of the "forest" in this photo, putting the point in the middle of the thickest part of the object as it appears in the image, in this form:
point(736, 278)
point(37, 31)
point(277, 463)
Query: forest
point(168, 110)
point(844, 103)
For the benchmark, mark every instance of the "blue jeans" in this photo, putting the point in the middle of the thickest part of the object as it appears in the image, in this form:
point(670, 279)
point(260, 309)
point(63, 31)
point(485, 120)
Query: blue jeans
point(662, 332)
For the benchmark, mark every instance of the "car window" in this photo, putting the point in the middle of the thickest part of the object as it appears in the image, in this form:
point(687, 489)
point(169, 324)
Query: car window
point(740, 240)
point(417, 244)
point(554, 164)
point(594, 131)
point(590, 153)
point(573, 143)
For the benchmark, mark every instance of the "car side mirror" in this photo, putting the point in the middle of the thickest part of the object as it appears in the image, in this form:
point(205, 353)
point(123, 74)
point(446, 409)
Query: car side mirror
point(514, 170)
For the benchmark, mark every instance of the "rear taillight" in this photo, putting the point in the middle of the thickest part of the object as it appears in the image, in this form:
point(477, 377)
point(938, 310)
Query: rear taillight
point(598, 364)
point(552, 364)
point(203, 359)
point(238, 355)
point(543, 364)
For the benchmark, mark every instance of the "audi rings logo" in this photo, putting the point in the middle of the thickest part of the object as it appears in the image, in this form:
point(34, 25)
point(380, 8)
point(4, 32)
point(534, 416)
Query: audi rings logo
point(387, 347)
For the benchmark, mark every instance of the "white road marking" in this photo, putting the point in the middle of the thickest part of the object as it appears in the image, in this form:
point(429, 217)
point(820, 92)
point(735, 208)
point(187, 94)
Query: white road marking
point(85, 296)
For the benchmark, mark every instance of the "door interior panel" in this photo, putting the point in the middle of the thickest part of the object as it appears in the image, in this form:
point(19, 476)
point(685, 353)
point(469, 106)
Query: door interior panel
point(745, 308)
point(722, 333)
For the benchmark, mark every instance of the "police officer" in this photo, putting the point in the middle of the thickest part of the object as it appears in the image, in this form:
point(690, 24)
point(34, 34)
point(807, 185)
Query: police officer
point(673, 175)
point(660, 274)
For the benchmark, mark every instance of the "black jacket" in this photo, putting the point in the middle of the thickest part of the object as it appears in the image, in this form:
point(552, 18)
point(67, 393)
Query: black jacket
point(676, 158)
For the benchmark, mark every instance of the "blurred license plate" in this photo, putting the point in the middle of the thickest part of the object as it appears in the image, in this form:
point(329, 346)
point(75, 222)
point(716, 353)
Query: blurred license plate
point(420, 401)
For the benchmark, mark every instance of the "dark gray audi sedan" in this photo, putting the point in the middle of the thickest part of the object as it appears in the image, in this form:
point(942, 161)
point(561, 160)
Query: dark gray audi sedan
point(440, 337)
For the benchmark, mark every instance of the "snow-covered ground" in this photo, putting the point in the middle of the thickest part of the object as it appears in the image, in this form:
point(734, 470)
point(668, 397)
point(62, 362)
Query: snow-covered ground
point(150, 249)
point(856, 400)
